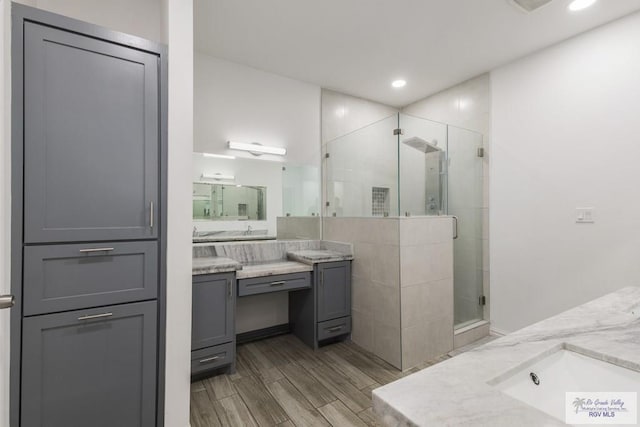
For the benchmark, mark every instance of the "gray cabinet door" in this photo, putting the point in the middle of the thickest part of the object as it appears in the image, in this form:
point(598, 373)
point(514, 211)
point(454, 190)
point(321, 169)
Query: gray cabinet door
point(91, 138)
point(212, 312)
point(334, 290)
point(100, 371)
point(68, 277)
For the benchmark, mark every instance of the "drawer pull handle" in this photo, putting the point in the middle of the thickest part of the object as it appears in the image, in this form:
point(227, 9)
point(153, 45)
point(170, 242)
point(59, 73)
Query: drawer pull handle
point(278, 283)
point(210, 359)
point(95, 316)
point(86, 251)
point(334, 329)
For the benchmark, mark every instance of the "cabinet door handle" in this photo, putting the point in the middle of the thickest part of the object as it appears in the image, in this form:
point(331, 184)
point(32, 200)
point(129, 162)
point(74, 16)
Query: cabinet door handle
point(210, 359)
point(334, 329)
point(321, 278)
point(151, 214)
point(229, 289)
point(278, 283)
point(85, 251)
point(95, 316)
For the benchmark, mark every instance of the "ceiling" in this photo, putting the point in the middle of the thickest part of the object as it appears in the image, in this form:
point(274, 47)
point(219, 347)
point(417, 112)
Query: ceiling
point(359, 46)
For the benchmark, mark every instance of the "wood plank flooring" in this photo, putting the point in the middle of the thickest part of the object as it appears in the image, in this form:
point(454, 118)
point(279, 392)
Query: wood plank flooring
point(281, 382)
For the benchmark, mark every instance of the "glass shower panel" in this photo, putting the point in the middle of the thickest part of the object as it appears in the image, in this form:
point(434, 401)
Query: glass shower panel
point(361, 172)
point(300, 190)
point(465, 201)
point(422, 166)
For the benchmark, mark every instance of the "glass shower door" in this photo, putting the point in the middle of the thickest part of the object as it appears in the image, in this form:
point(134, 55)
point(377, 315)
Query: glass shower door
point(465, 201)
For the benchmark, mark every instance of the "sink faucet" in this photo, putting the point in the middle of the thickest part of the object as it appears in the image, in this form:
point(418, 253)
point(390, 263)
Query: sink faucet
point(248, 232)
point(195, 231)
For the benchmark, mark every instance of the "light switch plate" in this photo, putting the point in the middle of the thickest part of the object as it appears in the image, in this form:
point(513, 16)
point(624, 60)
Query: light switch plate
point(585, 216)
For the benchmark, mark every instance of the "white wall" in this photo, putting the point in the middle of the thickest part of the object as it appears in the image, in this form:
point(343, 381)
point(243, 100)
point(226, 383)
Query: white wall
point(566, 134)
point(5, 204)
point(142, 18)
point(239, 103)
point(179, 15)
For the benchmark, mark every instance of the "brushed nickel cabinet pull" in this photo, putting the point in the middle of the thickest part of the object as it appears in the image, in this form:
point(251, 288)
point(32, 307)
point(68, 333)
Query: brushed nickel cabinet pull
point(151, 214)
point(278, 283)
point(334, 329)
point(229, 288)
point(86, 251)
point(95, 316)
point(7, 301)
point(210, 359)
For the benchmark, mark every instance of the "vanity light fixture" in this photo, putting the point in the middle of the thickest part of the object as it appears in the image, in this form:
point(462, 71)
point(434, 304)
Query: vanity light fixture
point(218, 177)
point(219, 156)
point(399, 83)
point(256, 148)
point(577, 5)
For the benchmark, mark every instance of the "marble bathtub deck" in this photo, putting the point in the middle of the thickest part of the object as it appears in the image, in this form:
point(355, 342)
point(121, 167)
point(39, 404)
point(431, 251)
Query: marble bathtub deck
point(458, 391)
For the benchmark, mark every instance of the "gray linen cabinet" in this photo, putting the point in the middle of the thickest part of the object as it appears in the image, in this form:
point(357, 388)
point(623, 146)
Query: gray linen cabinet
point(89, 150)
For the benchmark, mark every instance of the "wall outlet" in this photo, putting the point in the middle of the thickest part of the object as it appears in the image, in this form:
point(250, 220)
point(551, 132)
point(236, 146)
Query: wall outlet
point(584, 216)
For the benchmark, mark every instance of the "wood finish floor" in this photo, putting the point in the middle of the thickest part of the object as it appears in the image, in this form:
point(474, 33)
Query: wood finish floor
point(281, 382)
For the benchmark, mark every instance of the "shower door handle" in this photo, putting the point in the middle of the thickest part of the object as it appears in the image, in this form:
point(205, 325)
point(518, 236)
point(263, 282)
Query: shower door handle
point(455, 228)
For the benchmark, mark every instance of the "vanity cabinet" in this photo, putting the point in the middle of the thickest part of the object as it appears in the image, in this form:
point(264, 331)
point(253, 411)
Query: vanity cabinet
point(323, 312)
point(93, 367)
point(334, 290)
point(212, 321)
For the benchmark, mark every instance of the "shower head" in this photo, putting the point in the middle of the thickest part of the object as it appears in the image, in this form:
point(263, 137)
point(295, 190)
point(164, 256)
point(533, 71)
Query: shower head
point(422, 145)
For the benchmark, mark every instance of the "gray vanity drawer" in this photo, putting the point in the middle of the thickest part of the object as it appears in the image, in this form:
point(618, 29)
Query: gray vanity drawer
point(69, 277)
point(334, 328)
point(282, 282)
point(212, 357)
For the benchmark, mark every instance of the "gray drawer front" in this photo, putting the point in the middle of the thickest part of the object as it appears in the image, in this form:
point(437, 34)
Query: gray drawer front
point(68, 277)
point(334, 328)
point(282, 282)
point(212, 357)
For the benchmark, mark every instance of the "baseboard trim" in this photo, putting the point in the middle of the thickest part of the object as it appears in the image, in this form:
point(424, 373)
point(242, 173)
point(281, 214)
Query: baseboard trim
point(259, 334)
point(498, 332)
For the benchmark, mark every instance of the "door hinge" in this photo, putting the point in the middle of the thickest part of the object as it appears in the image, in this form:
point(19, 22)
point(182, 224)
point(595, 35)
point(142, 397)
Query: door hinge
point(327, 155)
point(481, 152)
point(482, 300)
point(328, 204)
point(398, 131)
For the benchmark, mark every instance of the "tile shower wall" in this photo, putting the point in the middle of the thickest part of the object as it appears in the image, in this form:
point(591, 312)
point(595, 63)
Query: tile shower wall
point(299, 228)
point(467, 105)
point(426, 288)
point(375, 284)
point(402, 289)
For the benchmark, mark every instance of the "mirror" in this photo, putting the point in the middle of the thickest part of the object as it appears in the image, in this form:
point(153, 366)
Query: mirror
point(224, 202)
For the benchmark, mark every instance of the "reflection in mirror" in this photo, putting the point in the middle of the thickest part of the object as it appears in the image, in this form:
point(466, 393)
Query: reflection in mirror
point(223, 202)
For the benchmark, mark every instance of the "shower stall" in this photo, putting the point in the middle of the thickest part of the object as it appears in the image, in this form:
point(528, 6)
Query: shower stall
point(408, 167)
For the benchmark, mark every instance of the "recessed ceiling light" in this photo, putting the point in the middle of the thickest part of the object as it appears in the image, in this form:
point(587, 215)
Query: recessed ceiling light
point(399, 83)
point(577, 5)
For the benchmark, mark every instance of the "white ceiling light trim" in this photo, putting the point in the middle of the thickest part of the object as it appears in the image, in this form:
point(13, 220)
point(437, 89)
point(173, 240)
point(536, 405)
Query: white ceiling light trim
point(218, 177)
point(577, 5)
point(257, 148)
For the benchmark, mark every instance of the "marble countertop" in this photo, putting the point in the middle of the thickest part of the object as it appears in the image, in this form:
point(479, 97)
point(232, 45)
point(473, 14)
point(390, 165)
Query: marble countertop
point(311, 256)
point(214, 264)
point(213, 239)
point(271, 268)
point(458, 391)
